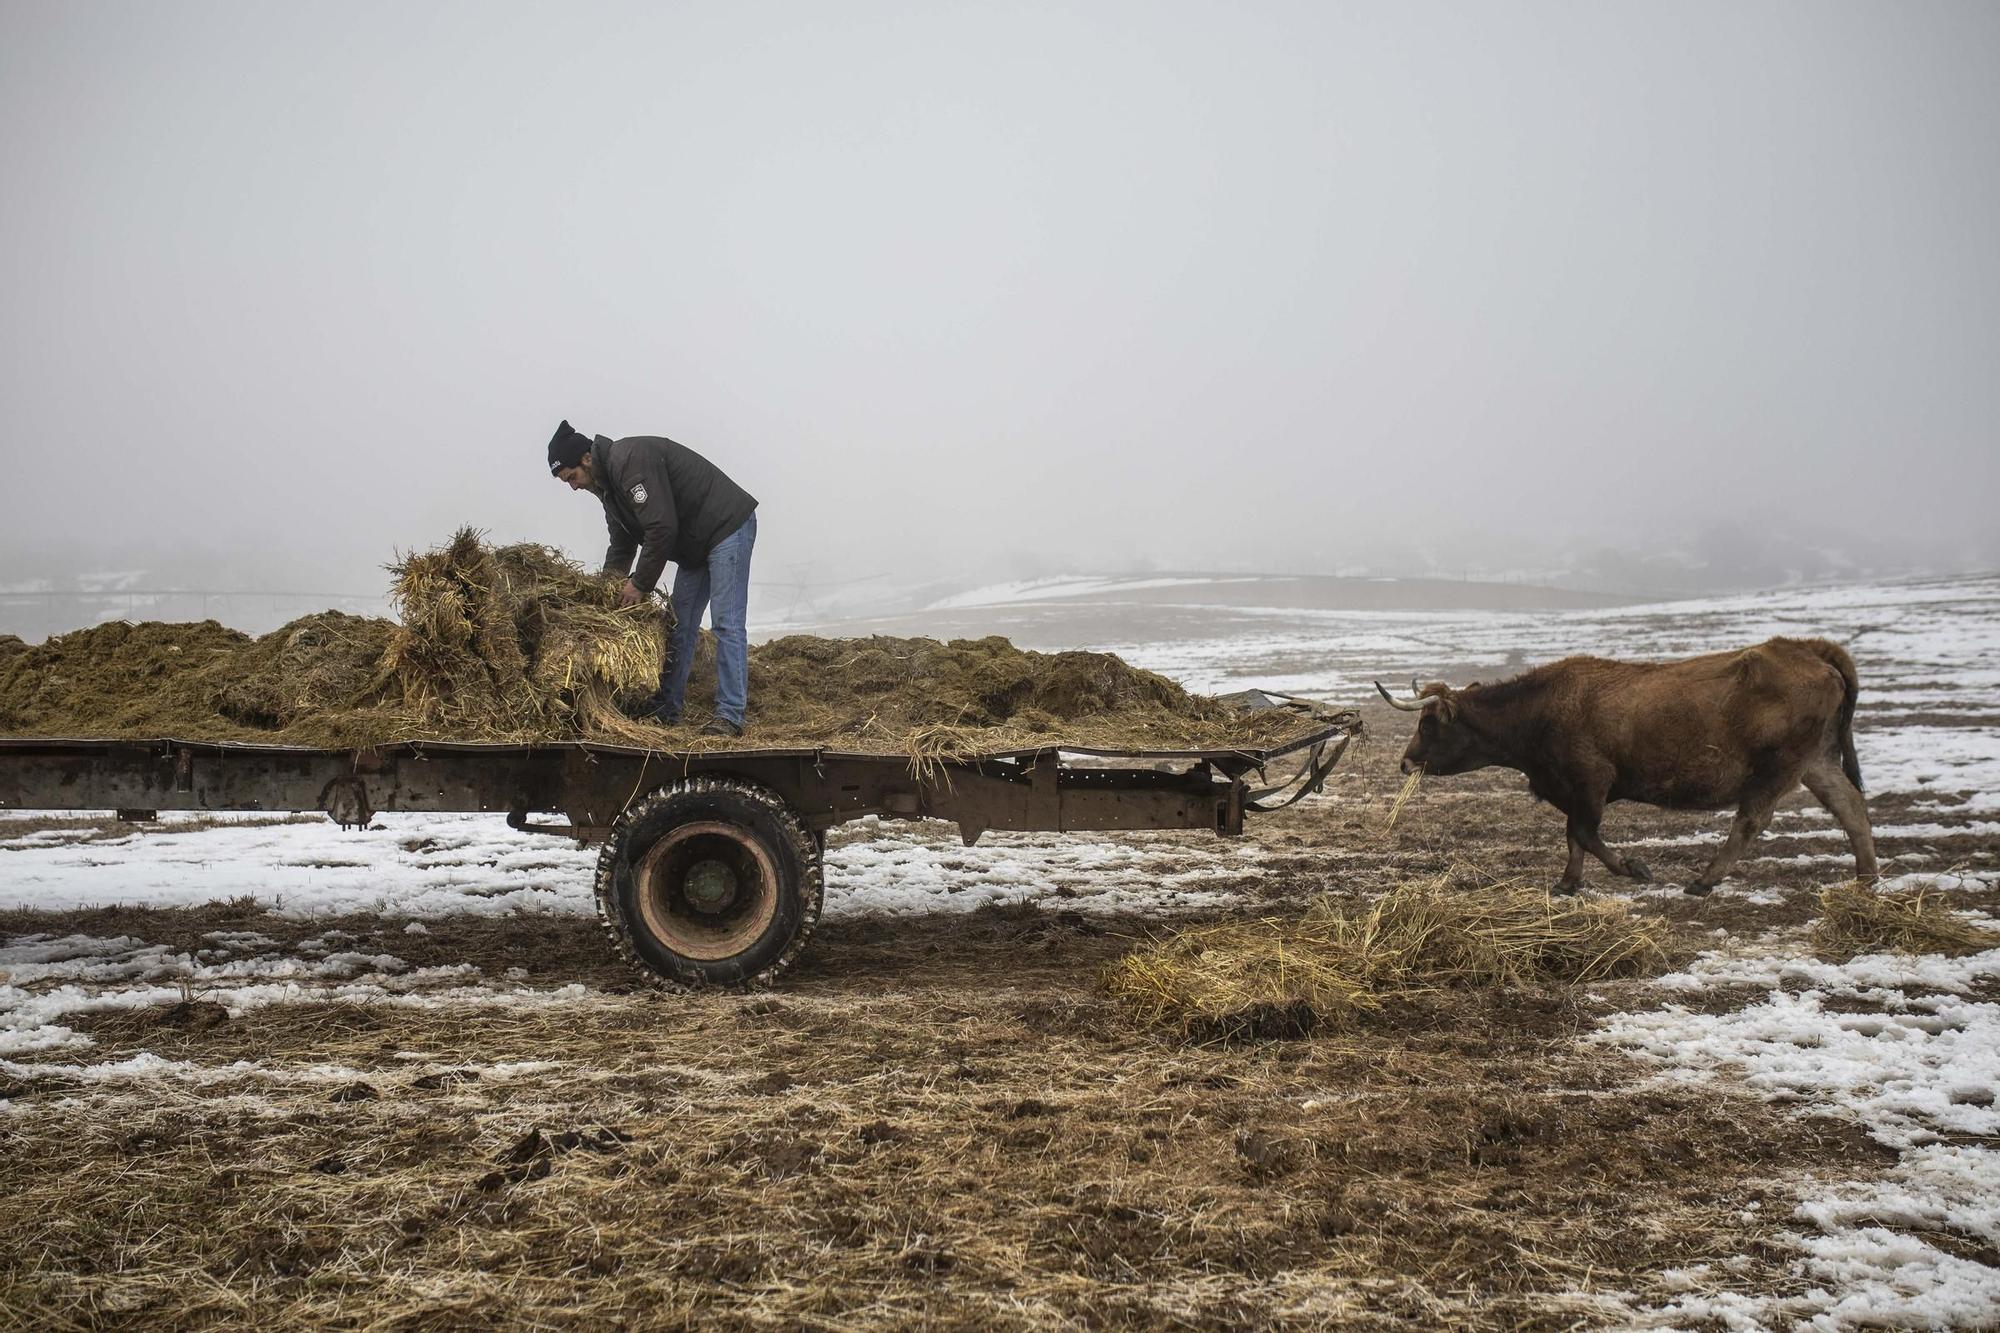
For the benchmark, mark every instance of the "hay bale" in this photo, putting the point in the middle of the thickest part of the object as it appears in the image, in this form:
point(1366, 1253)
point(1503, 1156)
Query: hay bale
point(1857, 919)
point(1334, 964)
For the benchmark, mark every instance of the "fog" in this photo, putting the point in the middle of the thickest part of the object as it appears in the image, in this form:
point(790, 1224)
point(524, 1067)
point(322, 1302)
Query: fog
point(971, 292)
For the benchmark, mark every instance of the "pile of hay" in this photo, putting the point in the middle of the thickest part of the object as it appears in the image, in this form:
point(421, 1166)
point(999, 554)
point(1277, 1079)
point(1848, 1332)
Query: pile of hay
point(1857, 920)
point(1288, 978)
point(932, 699)
point(316, 681)
point(320, 678)
point(506, 643)
point(517, 643)
point(119, 680)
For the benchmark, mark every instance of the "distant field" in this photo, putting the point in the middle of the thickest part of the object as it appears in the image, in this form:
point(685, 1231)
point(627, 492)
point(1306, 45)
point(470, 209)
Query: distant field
point(1063, 613)
point(258, 1071)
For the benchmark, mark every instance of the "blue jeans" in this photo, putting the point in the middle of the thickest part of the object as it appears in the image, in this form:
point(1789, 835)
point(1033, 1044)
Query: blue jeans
point(722, 588)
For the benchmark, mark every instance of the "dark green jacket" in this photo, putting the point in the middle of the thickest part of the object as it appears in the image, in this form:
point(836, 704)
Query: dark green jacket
point(665, 502)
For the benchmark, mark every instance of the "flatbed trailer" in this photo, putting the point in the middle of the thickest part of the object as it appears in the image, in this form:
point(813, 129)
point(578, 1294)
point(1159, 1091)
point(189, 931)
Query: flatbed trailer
point(711, 870)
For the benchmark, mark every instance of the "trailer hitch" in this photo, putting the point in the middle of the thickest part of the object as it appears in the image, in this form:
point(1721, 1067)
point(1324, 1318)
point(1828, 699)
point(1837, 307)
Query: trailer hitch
point(1311, 777)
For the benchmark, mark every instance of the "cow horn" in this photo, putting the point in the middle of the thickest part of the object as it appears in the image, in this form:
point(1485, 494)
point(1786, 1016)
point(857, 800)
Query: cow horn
point(1396, 703)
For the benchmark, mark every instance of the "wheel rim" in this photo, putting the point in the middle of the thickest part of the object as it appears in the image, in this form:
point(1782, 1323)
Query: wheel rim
point(707, 890)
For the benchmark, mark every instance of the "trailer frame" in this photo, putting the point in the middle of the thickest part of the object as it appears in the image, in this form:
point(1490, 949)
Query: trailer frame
point(754, 874)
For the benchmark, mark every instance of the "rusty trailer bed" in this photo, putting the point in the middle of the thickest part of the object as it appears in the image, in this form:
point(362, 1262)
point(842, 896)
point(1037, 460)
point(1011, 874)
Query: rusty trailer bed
point(712, 866)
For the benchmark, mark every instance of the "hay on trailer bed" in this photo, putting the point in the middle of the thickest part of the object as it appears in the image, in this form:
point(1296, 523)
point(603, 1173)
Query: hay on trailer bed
point(321, 676)
point(119, 680)
point(933, 699)
point(517, 643)
point(507, 643)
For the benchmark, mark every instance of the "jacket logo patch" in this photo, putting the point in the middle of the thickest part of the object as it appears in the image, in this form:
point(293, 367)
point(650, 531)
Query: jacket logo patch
point(639, 494)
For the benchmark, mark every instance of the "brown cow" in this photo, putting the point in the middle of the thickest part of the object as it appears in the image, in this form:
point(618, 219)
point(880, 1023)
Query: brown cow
point(1741, 729)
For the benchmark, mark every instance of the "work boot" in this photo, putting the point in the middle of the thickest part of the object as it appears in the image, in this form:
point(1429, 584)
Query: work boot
point(722, 726)
point(652, 710)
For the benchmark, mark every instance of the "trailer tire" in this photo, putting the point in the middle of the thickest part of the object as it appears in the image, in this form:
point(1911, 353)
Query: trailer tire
point(710, 882)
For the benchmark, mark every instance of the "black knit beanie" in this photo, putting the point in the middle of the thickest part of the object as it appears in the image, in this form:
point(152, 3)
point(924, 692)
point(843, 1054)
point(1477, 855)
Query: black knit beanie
point(567, 448)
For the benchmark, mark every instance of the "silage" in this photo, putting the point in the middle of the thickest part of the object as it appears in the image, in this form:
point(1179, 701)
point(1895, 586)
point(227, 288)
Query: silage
point(124, 680)
point(319, 666)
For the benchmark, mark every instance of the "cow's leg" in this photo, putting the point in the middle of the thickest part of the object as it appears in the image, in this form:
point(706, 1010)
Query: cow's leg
point(1572, 878)
point(1585, 837)
point(1586, 812)
point(1829, 785)
point(1751, 817)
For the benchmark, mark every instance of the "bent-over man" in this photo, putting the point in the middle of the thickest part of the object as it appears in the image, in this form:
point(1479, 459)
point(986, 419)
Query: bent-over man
point(663, 501)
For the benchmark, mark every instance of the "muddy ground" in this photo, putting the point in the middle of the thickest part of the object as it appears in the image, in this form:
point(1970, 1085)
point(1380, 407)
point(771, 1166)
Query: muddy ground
point(937, 1120)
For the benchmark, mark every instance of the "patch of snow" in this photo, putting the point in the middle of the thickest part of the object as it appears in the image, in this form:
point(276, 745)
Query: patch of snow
point(898, 869)
point(1919, 1067)
point(44, 981)
point(1066, 586)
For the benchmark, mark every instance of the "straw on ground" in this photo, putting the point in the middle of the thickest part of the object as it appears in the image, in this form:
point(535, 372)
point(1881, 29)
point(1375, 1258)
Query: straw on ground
point(1337, 962)
point(1858, 919)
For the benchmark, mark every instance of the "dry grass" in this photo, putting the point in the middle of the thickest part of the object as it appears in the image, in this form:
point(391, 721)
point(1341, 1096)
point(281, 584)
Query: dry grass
point(1403, 796)
point(1857, 919)
point(973, 1145)
point(1288, 978)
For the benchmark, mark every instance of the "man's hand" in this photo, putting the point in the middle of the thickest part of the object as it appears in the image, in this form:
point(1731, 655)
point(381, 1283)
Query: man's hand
point(629, 595)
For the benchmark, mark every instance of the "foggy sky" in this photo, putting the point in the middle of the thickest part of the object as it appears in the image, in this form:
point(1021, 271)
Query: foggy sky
point(992, 289)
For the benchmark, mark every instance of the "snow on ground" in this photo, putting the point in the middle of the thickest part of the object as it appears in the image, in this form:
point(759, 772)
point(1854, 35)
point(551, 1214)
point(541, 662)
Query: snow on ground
point(404, 865)
point(1899, 1045)
point(44, 979)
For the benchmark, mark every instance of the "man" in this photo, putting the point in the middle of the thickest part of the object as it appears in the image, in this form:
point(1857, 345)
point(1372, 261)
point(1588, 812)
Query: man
point(663, 501)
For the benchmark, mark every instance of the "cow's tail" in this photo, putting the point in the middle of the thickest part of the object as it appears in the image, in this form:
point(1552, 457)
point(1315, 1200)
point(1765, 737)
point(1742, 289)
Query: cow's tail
point(1836, 657)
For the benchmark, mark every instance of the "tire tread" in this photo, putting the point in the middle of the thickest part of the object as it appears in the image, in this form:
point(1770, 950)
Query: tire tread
point(806, 848)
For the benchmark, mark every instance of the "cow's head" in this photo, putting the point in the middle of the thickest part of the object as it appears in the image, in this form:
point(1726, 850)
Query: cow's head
point(1444, 744)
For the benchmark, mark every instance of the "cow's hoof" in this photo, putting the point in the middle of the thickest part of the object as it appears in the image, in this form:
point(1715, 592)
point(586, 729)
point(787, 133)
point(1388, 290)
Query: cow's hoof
point(1566, 890)
point(1698, 889)
point(1636, 869)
